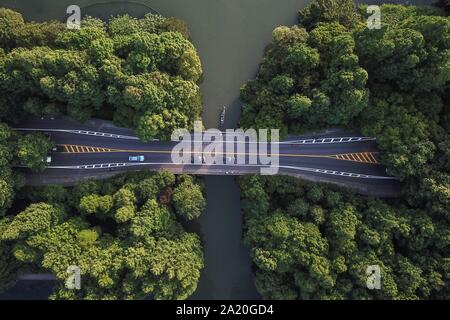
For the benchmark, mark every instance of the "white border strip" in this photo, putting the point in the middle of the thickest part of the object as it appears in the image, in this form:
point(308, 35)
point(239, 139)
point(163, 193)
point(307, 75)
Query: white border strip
point(331, 140)
point(313, 170)
point(328, 140)
point(83, 132)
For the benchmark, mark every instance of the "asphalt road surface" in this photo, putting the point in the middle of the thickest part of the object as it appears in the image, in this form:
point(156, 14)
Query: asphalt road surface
point(98, 148)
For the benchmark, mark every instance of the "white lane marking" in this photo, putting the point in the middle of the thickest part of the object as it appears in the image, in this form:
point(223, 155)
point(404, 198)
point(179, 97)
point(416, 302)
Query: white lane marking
point(327, 140)
point(340, 173)
point(314, 170)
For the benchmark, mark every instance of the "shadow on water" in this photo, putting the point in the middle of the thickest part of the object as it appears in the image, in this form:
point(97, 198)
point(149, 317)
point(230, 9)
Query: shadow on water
point(227, 273)
point(29, 290)
point(104, 10)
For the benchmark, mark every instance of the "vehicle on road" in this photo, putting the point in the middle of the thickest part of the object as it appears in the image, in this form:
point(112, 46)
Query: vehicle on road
point(48, 159)
point(136, 158)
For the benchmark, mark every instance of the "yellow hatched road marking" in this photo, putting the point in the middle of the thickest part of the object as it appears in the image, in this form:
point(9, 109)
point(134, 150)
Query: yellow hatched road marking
point(373, 157)
point(69, 148)
point(365, 158)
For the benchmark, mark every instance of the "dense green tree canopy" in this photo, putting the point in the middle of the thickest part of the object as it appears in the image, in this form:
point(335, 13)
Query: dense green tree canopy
point(188, 199)
point(29, 150)
point(390, 83)
point(343, 12)
point(123, 234)
point(9, 266)
point(141, 73)
point(319, 245)
point(307, 80)
point(126, 242)
point(32, 150)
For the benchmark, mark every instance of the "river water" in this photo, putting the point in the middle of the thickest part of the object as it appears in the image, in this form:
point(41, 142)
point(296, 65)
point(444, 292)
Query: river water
point(230, 36)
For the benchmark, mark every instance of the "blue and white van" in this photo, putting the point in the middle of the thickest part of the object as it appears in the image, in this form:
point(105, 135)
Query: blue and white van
point(136, 158)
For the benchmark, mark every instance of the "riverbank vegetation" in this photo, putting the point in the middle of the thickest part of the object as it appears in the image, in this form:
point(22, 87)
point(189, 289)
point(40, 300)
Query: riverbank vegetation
point(17, 149)
point(140, 73)
point(392, 83)
point(311, 241)
point(123, 233)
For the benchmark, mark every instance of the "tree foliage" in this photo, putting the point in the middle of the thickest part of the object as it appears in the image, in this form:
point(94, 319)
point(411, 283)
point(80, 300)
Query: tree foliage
point(390, 83)
point(127, 70)
point(343, 12)
point(32, 150)
point(319, 247)
point(127, 243)
point(28, 150)
point(307, 80)
point(188, 199)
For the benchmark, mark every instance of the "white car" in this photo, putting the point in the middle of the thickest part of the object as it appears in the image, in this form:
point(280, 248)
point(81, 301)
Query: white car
point(136, 158)
point(48, 159)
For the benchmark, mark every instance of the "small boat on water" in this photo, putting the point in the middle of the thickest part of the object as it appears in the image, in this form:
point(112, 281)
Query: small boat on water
point(222, 117)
